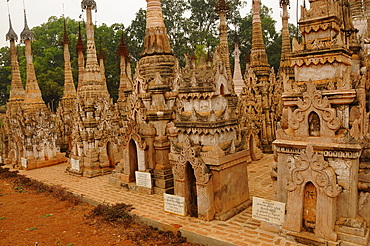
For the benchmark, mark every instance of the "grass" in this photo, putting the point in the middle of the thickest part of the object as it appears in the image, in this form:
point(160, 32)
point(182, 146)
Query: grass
point(2, 218)
point(32, 229)
point(47, 215)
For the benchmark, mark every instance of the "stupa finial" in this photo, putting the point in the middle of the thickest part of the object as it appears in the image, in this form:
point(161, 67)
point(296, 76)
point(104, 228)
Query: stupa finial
point(26, 34)
point(11, 35)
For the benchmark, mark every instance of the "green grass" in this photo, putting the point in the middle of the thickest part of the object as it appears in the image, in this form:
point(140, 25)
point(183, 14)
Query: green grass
point(32, 229)
point(2, 218)
point(47, 215)
point(19, 188)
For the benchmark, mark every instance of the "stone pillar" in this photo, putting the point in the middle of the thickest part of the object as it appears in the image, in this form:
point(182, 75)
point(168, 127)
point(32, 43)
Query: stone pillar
point(163, 177)
point(206, 208)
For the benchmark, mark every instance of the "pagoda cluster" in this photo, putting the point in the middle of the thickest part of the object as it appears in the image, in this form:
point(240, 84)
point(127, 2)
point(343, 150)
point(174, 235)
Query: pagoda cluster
point(191, 131)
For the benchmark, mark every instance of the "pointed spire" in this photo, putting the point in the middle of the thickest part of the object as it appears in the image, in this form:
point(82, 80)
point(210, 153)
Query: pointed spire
point(125, 68)
point(285, 63)
point(17, 91)
point(259, 61)
point(223, 9)
point(102, 57)
point(65, 35)
point(92, 85)
point(80, 44)
point(80, 48)
point(238, 77)
point(285, 30)
point(11, 35)
point(26, 34)
point(69, 87)
point(33, 98)
point(122, 49)
point(156, 40)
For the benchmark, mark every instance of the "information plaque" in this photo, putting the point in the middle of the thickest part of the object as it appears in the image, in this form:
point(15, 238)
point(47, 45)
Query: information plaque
point(174, 204)
point(143, 179)
point(268, 211)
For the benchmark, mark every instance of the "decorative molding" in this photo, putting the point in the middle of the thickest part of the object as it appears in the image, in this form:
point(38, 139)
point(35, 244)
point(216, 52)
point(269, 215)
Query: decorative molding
point(310, 166)
point(188, 154)
point(313, 101)
point(215, 152)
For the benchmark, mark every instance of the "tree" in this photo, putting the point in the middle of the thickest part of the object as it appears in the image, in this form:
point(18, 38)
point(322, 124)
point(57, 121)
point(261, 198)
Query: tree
point(5, 71)
point(135, 34)
point(271, 37)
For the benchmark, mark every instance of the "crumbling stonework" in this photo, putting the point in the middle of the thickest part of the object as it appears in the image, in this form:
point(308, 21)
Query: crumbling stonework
point(209, 152)
point(95, 121)
point(146, 104)
point(321, 135)
point(260, 93)
point(31, 138)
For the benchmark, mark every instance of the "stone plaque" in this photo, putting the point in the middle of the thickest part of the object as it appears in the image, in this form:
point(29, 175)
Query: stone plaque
point(1, 160)
point(24, 162)
point(75, 164)
point(143, 179)
point(268, 211)
point(174, 204)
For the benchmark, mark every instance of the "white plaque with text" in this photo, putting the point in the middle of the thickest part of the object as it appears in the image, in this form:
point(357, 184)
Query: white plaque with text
point(75, 164)
point(174, 204)
point(268, 211)
point(143, 179)
point(24, 162)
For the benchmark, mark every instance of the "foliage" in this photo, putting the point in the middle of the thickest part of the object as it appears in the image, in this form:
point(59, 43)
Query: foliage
point(4, 74)
point(271, 37)
point(192, 27)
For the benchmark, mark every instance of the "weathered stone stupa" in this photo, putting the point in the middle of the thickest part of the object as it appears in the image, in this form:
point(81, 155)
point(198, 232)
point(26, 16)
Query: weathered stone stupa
point(32, 137)
point(257, 102)
point(95, 129)
point(149, 109)
point(12, 147)
point(238, 76)
point(68, 101)
point(208, 152)
point(323, 130)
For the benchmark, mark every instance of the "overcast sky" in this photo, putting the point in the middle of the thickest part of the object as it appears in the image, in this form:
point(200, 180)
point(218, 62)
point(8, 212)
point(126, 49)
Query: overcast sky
point(109, 12)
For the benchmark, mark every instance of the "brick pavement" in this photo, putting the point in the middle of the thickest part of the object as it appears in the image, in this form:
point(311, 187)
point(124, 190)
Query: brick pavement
point(239, 230)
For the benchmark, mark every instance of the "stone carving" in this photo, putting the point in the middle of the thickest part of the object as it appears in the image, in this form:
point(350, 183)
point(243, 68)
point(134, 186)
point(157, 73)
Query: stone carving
point(131, 131)
point(188, 154)
point(313, 101)
point(310, 166)
point(216, 152)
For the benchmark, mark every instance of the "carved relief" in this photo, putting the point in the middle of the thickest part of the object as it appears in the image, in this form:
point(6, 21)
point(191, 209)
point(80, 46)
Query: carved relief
point(188, 154)
point(311, 167)
point(314, 102)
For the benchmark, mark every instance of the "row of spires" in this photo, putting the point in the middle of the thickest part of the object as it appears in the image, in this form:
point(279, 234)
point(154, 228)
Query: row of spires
point(31, 96)
point(154, 25)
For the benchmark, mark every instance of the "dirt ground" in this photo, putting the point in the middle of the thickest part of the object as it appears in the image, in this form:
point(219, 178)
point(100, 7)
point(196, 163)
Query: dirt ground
point(28, 218)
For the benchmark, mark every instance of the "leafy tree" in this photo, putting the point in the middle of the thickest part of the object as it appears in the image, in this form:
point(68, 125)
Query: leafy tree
point(192, 27)
point(177, 24)
point(272, 38)
point(135, 34)
point(108, 40)
point(5, 71)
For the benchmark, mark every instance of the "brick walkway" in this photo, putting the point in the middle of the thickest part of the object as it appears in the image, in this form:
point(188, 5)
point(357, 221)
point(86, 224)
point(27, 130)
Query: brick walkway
point(239, 230)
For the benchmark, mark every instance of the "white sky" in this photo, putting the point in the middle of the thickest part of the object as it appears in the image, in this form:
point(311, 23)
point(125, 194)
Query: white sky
point(109, 12)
